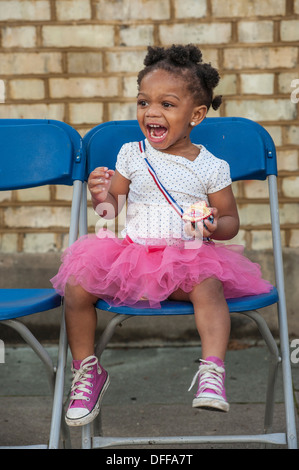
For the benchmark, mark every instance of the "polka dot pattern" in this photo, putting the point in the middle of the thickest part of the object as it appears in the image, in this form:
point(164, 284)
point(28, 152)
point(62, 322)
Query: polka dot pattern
point(149, 216)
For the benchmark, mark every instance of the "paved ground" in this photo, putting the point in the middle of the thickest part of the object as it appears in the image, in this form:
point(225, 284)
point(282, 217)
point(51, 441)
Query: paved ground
point(147, 397)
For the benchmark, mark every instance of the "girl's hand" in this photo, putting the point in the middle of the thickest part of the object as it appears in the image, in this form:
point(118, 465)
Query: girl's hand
point(208, 226)
point(99, 182)
point(205, 229)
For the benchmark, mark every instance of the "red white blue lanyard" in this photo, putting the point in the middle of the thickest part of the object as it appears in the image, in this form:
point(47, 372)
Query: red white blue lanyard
point(163, 190)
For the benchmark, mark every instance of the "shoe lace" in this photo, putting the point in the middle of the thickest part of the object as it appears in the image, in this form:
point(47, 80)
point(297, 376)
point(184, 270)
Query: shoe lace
point(210, 377)
point(82, 378)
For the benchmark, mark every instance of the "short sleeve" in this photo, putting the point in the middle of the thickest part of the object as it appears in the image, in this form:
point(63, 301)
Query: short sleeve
point(122, 161)
point(221, 177)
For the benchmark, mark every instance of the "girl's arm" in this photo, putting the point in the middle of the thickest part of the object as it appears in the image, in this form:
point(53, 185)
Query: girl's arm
point(226, 219)
point(108, 189)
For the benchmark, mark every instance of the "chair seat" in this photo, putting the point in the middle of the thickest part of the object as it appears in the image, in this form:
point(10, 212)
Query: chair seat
point(16, 303)
point(170, 307)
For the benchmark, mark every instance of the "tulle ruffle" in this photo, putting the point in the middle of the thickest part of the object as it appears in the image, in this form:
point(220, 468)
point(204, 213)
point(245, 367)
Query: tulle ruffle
point(122, 272)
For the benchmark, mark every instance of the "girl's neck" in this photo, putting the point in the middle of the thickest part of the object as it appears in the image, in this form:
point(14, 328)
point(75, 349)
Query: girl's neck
point(190, 152)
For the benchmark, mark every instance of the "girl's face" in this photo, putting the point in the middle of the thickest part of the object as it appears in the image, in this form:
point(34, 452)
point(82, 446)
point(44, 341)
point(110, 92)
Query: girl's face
point(165, 109)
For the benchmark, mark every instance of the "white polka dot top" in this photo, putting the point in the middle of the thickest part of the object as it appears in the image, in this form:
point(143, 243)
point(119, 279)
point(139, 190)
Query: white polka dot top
point(150, 217)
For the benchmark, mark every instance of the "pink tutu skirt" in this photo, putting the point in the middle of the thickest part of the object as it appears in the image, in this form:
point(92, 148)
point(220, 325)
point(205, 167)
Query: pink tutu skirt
point(123, 272)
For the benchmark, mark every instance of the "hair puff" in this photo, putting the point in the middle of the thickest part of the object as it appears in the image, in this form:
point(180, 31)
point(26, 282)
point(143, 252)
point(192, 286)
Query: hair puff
point(185, 61)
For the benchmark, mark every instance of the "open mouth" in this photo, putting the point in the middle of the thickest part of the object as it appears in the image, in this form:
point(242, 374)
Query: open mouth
point(156, 132)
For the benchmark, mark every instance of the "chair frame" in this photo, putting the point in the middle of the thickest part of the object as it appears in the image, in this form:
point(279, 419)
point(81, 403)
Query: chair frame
point(92, 435)
point(49, 299)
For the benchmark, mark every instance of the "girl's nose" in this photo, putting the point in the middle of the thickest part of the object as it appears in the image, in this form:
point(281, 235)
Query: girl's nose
point(153, 110)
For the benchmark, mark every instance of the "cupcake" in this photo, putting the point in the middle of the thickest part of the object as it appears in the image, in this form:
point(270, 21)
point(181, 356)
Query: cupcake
point(198, 212)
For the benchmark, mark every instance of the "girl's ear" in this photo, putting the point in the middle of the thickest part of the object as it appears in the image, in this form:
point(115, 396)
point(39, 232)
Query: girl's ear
point(199, 113)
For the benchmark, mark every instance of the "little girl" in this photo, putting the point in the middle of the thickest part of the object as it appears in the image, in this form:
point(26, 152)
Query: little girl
point(157, 259)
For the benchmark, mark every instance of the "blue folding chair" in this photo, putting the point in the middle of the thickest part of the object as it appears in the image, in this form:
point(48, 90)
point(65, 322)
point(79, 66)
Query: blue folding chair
point(250, 151)
point(36, 153)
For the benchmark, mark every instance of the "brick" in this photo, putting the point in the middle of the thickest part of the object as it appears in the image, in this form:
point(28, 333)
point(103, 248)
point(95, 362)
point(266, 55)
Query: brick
point(122, 111)
point(261, 240)
point(290, 186)
point(289, 30)
point(292, 135)
point(212, 33)
point(5, 195)
point(141, 35)
point(239, 239)
point(65, 241)
point(239, 8)
point(255, 31)
point(41, 193)
point(287, 83)
point(130, 87)
point(132, 10)
point(86, 113)
point(31, 89)
point(19, 63)
point(84, 62)
point(39, 243)
point(22, 36)
point(210, 55)
point(227, 85)
point(287, 160)
point(254, 214)
point(9, 243)
point(262, 110)
point(83, 87)
point(276, 134)
point(32, 111)
point(236, 187)
point(261, 84)
point(64, 193)
point(129, 61)
point(23, 10)
point(255, 189)
point(260, 57)
point(212, 113)
point(2, 91)
point(190, 9)
point(36, 217)
point(73, 10)
point(289, 213)
point(294, 238)
point(78, 36)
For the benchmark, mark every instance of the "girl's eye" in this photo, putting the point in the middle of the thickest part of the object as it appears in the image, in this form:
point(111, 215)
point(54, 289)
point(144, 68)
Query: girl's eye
point(142, 103)
point(167, 105)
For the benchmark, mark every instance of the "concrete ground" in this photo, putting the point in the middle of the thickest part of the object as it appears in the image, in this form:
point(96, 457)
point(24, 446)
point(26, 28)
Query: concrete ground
point(148, 395)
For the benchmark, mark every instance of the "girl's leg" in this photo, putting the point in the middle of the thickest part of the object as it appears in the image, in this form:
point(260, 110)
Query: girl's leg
point(213, 324)
point(90, 379)
point(211, 316)
point(81, 321)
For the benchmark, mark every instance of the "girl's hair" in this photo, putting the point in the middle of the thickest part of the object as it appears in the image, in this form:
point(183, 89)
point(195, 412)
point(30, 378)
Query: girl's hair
point(185, 61)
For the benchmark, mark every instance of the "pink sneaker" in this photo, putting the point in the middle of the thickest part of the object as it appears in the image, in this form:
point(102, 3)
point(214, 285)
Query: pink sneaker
point(211, 392)
point(89, 385)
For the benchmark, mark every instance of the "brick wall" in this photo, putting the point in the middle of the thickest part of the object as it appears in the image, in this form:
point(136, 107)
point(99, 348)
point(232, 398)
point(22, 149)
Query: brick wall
point(76, 61)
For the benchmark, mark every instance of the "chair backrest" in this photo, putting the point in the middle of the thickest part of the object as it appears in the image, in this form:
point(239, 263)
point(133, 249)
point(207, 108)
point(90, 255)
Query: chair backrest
point(244, 144)
point(36, 152)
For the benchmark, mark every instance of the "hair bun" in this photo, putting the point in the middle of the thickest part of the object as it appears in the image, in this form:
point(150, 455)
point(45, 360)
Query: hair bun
point(185, 61)
point(154, 54)
point(182, 55)
point(216, 102)
point(211, 75)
